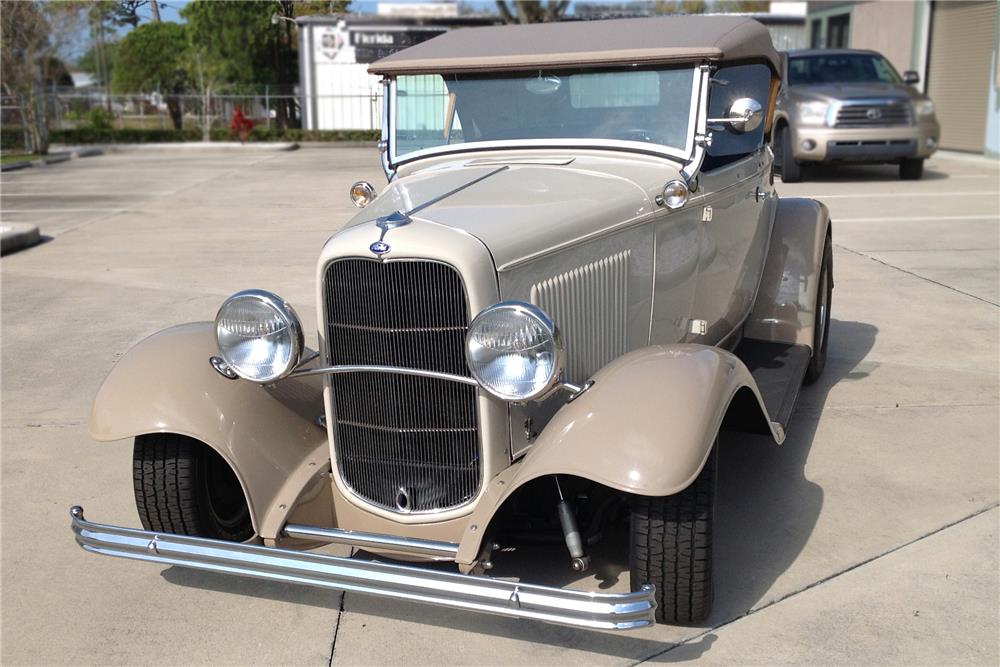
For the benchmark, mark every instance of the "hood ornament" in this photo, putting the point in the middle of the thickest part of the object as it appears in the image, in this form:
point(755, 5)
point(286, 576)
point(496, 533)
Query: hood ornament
point(385, 223)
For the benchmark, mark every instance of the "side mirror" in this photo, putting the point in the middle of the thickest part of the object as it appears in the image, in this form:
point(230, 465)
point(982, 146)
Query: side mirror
point(910, 77)
point(745, 115)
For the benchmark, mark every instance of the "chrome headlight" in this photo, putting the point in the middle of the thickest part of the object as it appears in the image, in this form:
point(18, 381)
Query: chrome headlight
point(813, 113)
point(923, 108)
point(259, 335)
point(514, 351)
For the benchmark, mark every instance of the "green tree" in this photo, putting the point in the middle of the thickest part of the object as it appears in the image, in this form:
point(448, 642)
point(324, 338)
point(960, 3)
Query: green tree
point(235, 40)
point(237, 44)
point(154, 57)
point(532, 11)
point(715, 6)
point(33, 35)
point(91, 62)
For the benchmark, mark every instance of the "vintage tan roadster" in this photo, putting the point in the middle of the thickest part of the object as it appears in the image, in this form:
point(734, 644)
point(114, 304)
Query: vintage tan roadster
point(578, 274)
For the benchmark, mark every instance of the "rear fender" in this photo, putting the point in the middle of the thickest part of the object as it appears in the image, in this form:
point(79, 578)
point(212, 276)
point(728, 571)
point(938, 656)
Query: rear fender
point(785, 308)
point(267, 434)
point(646, 427)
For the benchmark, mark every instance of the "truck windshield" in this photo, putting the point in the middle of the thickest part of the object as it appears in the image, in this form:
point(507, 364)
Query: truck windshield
point(840, 68)
point(647, 108)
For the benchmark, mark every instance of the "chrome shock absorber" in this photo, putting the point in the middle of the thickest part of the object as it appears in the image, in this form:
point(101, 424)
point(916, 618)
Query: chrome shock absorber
point(571, 532)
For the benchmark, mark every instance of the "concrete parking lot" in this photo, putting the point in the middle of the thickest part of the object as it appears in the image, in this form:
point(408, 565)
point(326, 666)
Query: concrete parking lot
point(869, 537)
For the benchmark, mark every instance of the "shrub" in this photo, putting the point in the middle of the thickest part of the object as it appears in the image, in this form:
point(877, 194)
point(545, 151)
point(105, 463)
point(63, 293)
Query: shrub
point(98, 118)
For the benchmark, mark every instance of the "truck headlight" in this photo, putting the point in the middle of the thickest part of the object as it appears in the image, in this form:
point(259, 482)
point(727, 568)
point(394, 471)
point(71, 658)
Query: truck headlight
point(813, 113)
point(259, 335)
point(514, 351)
point(923, 108)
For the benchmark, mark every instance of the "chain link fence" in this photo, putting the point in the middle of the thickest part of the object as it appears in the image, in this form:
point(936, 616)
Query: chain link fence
point(75, 115)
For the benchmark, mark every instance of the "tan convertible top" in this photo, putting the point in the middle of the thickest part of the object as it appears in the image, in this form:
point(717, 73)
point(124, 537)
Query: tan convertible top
point(664, 39)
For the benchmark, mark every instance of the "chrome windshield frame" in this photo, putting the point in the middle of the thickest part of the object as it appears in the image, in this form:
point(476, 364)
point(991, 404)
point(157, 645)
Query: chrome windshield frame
point(392, 160)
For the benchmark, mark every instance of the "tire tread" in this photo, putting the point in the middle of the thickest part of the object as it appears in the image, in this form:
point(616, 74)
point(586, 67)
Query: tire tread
point(672, 548)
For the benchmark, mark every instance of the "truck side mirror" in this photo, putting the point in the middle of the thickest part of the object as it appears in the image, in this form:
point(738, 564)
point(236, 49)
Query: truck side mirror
point(745, 115)
point(910, 77)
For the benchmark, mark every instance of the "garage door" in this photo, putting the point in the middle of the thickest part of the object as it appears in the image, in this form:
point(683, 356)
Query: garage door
point(958, 76)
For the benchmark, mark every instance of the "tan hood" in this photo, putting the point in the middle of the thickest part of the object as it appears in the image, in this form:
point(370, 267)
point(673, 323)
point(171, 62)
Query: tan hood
point(524, 207)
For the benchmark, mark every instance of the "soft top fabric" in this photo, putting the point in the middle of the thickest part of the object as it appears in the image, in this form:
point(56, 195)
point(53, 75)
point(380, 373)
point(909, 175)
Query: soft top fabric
point(645, 41)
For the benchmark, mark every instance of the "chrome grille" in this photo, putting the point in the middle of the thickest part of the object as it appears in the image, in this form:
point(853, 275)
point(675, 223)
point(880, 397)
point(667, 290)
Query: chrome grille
point(402, 438)
point(868, 114)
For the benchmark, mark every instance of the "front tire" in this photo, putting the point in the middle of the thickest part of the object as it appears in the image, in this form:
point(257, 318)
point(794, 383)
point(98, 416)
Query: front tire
point(911, 169)
point(791, 171)
point(183, 486)
point(671, 547)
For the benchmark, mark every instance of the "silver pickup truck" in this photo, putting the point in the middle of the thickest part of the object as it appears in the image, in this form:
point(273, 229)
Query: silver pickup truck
point(845, 105)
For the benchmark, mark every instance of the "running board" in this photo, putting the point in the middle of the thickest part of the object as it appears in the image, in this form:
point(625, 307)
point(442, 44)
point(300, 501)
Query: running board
point(598, 611)
point(778, 369)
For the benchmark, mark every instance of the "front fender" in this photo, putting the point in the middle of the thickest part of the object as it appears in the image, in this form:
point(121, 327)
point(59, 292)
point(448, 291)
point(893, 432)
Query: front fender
point(646, 427)
point(267, 434)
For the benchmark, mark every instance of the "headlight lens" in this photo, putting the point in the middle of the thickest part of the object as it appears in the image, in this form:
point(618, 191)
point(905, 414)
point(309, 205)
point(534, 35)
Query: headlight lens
point(514, 351)
point(259, 335)
point(813, 113)
point(924, 108)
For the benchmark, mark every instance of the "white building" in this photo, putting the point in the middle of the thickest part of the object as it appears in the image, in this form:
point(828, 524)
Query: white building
point(334, 52)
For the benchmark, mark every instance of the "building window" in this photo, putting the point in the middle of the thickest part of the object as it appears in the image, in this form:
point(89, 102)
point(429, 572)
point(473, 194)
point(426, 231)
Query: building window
point(816, 34)
point(837, 28)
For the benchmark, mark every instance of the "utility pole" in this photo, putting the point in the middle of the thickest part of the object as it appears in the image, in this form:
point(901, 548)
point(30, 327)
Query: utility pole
point(155, 9)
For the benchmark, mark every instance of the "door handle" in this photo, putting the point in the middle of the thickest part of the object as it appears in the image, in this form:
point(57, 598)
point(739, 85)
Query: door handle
point(758, 194)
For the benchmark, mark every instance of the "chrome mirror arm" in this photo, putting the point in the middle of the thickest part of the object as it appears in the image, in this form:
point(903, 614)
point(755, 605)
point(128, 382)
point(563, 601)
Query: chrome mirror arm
point(702, 139)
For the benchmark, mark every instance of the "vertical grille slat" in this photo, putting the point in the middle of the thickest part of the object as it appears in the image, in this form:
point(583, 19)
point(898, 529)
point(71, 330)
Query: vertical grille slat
point(396, 431)
point(590, 303)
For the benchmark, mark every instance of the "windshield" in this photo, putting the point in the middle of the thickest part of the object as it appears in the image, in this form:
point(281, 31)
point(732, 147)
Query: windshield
point(649, 108)
point(840, 68)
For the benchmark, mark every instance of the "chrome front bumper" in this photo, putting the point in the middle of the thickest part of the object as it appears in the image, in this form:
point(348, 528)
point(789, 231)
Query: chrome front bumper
point(600, 611)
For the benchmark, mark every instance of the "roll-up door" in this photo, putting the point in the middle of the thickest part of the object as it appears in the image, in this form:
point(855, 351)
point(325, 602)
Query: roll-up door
point(958, 76)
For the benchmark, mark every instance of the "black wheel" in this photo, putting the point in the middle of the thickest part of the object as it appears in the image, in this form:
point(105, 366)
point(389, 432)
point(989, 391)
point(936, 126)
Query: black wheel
point(672, 548)
point(183, 486)
point(791, 171)
point(911, 169)
point(821, 330)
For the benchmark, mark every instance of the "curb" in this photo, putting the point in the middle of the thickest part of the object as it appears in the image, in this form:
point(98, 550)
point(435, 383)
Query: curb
point(16, 236)
point(184, 146)
point(14, 166)
point(63, 155)
point(966, 157)
point(338, 144)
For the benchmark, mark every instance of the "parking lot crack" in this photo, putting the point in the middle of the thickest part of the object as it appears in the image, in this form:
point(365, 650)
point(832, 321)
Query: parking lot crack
point(819, 582)
point(336, 629)
point(915, 275)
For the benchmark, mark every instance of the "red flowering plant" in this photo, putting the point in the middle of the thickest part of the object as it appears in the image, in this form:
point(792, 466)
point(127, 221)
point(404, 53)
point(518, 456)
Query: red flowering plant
point(240, 125)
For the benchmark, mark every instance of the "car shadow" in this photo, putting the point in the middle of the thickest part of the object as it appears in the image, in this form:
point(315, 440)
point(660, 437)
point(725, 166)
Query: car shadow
point(845, 173)
point(766, 510)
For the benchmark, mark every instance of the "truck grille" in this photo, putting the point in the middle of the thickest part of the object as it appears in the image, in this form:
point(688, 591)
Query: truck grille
point(871, 114)
point(403, 443)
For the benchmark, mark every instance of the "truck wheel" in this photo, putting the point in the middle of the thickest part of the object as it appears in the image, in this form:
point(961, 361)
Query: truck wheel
point(911, 169)
point(672, 547)
point(821, 330)
point(183, 486)
point(791, 171)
